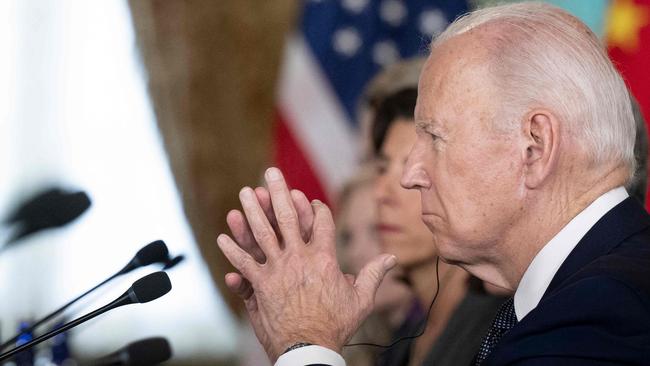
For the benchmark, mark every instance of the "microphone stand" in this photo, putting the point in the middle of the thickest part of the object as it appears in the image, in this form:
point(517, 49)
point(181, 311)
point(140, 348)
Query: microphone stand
point(55, 313)
point(123, 300)
point(151, 253)
point(146, 289)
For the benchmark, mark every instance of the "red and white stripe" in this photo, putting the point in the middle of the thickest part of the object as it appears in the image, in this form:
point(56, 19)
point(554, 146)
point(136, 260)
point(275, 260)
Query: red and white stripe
point(315, 143)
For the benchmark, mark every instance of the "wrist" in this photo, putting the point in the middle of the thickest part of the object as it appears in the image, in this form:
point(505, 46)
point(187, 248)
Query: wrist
point(310, 355)
point(296, 346)
point(304, 341)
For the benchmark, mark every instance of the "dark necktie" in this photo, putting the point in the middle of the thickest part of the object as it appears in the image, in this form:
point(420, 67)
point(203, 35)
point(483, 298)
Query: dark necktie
point(504, 320)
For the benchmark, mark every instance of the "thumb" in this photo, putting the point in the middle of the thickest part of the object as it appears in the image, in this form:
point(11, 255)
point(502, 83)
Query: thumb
point(371, 275)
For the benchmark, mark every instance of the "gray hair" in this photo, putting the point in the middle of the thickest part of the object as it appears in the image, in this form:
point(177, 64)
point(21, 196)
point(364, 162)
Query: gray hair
point(544, 57)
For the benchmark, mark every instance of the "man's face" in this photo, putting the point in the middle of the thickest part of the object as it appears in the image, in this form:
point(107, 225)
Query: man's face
point(469, 174)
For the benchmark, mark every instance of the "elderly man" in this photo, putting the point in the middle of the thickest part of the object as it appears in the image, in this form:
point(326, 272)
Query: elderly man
point(525, 140)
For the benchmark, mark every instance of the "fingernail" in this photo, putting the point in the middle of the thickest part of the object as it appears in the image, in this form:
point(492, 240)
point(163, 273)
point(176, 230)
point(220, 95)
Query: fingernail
point(317, 202)
point(390, 262)
point(245, 192)
point(220, 239)
point(273, 173)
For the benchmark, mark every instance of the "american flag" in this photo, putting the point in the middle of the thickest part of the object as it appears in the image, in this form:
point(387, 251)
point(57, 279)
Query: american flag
point(339, 46)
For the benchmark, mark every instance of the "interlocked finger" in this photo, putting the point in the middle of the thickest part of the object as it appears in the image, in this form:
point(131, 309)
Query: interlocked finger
point(264, 198)
point(242, 288)
point(324, 235)
point(239, 285)
point(285, 212)
point(260, 227)
point(300, 202)
point(238, 257)
point(243, 235)
point(305, 213)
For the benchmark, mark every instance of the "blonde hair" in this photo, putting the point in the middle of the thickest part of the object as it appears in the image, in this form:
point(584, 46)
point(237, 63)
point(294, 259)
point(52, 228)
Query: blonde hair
point(398, 76)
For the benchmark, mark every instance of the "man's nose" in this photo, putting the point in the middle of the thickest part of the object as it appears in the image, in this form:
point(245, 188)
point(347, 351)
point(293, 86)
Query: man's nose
point(414, 175)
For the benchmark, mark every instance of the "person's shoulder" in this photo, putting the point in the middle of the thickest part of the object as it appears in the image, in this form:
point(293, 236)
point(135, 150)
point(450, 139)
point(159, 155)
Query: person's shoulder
point(595, 317)
point(605, 292)
point(600, 308)
point(625, 267)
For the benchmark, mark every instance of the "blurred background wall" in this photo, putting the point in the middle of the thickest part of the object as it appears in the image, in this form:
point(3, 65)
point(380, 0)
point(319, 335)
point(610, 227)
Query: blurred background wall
point(163, 109)
point(212, 68)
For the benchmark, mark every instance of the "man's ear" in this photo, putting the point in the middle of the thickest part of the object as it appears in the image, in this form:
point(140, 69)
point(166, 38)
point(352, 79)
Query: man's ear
point(542, 138)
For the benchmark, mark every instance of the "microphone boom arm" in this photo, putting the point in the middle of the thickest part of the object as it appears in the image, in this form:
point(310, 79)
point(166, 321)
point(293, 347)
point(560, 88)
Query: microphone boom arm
point(146, 289)
point(53, 314)
point(123, 300)
point(154, 252)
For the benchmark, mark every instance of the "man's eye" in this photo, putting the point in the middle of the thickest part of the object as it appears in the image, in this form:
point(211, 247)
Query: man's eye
point(433, 136)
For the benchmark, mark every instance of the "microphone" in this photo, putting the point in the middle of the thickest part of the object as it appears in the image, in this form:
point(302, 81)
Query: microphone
point(47, 209)
point(154, 252)
point(172, 262)
point(147, 288)
point(145, 352)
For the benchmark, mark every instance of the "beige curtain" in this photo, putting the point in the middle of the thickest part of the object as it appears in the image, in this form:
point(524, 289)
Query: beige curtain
point(212, 67)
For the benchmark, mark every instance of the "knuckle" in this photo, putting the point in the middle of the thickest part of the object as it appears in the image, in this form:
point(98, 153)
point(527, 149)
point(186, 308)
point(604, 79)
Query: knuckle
point(329, 265)
point(244, 265)
point(265, 235)
point(287, 218)
point(324, 230)
point(374, 273)
point(247, 266)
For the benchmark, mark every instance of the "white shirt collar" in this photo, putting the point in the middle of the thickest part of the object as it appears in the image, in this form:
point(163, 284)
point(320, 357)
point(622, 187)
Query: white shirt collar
point(547, 262)
point(310, 355)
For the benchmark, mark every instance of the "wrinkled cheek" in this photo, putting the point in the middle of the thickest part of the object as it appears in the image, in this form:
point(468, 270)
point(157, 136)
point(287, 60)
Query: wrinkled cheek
point(446, 246)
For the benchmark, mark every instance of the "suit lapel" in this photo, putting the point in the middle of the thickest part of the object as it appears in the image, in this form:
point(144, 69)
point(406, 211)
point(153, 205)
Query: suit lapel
point(611, 231)
point(625, 219)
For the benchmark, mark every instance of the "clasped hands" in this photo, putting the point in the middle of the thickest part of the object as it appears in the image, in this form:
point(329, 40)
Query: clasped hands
point(284, 249)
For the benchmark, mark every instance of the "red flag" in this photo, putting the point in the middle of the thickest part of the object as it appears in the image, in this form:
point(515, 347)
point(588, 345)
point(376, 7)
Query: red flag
point(628, 41)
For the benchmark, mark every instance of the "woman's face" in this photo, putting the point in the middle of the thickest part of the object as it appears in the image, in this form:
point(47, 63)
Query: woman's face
point(400, 227)
point(358, 244)
point(357, 234)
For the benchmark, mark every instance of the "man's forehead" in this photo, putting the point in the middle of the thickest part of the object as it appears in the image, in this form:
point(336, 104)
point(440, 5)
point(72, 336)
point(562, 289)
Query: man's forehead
point(436, 78)
point(456, 76)
point(469, 50)
point(424, 113)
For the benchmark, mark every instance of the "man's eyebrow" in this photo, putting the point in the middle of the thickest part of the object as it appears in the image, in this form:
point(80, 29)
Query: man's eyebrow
point(429, 122)
point(424, 124)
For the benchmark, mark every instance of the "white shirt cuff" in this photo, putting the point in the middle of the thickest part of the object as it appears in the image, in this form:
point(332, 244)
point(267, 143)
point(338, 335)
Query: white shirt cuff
point(310, 355)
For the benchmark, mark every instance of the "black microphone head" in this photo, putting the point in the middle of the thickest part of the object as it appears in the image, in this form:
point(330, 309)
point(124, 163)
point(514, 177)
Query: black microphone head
point(154, 252)
point(145, 352)
point(172, 262)
point(51, 208)
point(150, 351)
point(150, 287)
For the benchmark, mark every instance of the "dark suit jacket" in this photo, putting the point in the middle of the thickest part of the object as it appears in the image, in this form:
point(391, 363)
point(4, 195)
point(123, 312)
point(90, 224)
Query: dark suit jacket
point(596, 310)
